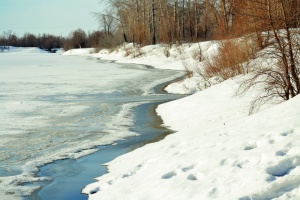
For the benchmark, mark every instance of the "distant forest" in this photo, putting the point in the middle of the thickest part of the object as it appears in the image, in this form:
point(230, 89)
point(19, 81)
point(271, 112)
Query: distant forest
point(146, 22)
point(76, 39)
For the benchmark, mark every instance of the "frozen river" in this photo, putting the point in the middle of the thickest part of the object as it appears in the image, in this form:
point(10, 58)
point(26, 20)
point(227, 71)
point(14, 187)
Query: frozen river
point(54, 107)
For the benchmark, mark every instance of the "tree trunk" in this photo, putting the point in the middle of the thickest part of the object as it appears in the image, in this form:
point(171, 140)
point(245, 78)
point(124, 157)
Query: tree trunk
point(290, 50)
point(183, 21)
point(282, 51)
point(196, 22)
point(153, 24)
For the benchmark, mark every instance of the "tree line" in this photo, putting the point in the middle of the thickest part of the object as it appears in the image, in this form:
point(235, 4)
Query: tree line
point(43, 41)
point(169, 21)
point(271, 23)
point(76, 39)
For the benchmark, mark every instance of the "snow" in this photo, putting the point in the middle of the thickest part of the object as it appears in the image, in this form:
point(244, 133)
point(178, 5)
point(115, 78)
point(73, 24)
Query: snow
point(78, 52)
point(25, 50)
point(57, 107)
point(164, 56)
point(219, 151)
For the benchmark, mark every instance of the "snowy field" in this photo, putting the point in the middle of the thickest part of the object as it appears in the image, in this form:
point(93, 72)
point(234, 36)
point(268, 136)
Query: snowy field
point(55, 107)
point(219, 151)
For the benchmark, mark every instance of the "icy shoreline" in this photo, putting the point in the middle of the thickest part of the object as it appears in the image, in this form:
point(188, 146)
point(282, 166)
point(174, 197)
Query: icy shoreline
point(46, 91)
point(218, 151)
point(147, 125)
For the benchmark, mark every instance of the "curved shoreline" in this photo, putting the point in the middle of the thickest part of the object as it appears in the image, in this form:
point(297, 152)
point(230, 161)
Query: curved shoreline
point(122, 147)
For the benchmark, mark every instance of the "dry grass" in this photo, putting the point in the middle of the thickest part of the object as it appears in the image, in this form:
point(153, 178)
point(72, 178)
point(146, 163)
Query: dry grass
point(166, 50)
point(188, 70)
point(197, 54)
point(230, 60)
point(127, 52)
point(135, 52)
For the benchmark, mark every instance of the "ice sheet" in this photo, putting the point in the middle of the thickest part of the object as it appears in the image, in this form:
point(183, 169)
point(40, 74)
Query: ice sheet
point(55, 107)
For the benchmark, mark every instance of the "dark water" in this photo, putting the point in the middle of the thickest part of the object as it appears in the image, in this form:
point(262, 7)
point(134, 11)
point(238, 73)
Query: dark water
point(70, 176)
point(54, 108)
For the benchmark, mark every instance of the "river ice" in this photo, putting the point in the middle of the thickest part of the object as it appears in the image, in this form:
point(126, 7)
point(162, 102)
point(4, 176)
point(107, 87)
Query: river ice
point(54, 107)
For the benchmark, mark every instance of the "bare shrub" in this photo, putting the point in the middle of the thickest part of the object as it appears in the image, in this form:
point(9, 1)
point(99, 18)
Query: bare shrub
point(138, 52)
point(229, 61)
point(67, 45)
point(197, 54)
point(179, 48)
point(188, 70)
point(271, 83)
point(166, 50)
point(96, 50)
point(281, 19)
point(114, 49)
point(135, 52)
point(127, 52)
point(278, 79)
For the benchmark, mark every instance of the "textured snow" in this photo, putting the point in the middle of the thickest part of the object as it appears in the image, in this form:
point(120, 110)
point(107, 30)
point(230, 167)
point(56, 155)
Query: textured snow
point(219, 151)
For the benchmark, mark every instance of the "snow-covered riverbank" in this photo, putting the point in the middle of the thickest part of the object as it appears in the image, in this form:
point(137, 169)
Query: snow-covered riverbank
point(218, 151)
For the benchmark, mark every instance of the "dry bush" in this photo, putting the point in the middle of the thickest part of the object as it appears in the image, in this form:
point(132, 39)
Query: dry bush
point(94, 50)
point(271, 83)
point(272, 73)
point(127, 52)
point(197, 54)
point(114, 49)
point(135, 52)
point(189, 72)
point(229, 61)
point(138, 52)
point(166, 50)
point(179, 48)
point(97, 49)
point(67, 45)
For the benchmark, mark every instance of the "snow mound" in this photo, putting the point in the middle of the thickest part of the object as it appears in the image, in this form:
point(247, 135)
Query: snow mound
point(162, 56)
point(25, 50)
point(79, 52)
point(60, 51)
point(219, 152)
point(165, 56)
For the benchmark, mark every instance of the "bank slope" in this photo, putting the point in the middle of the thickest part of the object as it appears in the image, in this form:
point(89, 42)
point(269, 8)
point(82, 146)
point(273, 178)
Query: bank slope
point(218, 152)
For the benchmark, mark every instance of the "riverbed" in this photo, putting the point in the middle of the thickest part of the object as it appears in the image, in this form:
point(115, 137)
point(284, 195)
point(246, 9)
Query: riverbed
point(58, 109)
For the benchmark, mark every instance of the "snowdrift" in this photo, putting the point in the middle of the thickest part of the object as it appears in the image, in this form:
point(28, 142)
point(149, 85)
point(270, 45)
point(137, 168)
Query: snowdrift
point(79, 52)
point(218, 151)
point(25, 50)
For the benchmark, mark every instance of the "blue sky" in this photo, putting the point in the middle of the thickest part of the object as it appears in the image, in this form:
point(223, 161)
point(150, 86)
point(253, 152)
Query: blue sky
point(58, 17)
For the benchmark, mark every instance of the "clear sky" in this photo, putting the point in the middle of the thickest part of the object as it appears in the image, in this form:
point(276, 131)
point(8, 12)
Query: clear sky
point(58, 17)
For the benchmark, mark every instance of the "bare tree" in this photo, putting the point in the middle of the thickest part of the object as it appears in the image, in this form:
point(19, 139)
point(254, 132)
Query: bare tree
point(78, 38)
point(153, 24)
point(280, 80)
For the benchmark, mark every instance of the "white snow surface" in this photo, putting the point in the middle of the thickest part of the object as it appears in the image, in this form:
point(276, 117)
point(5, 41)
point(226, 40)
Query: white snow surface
point(79, 52)
point(218, 151)
point(164, 56)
